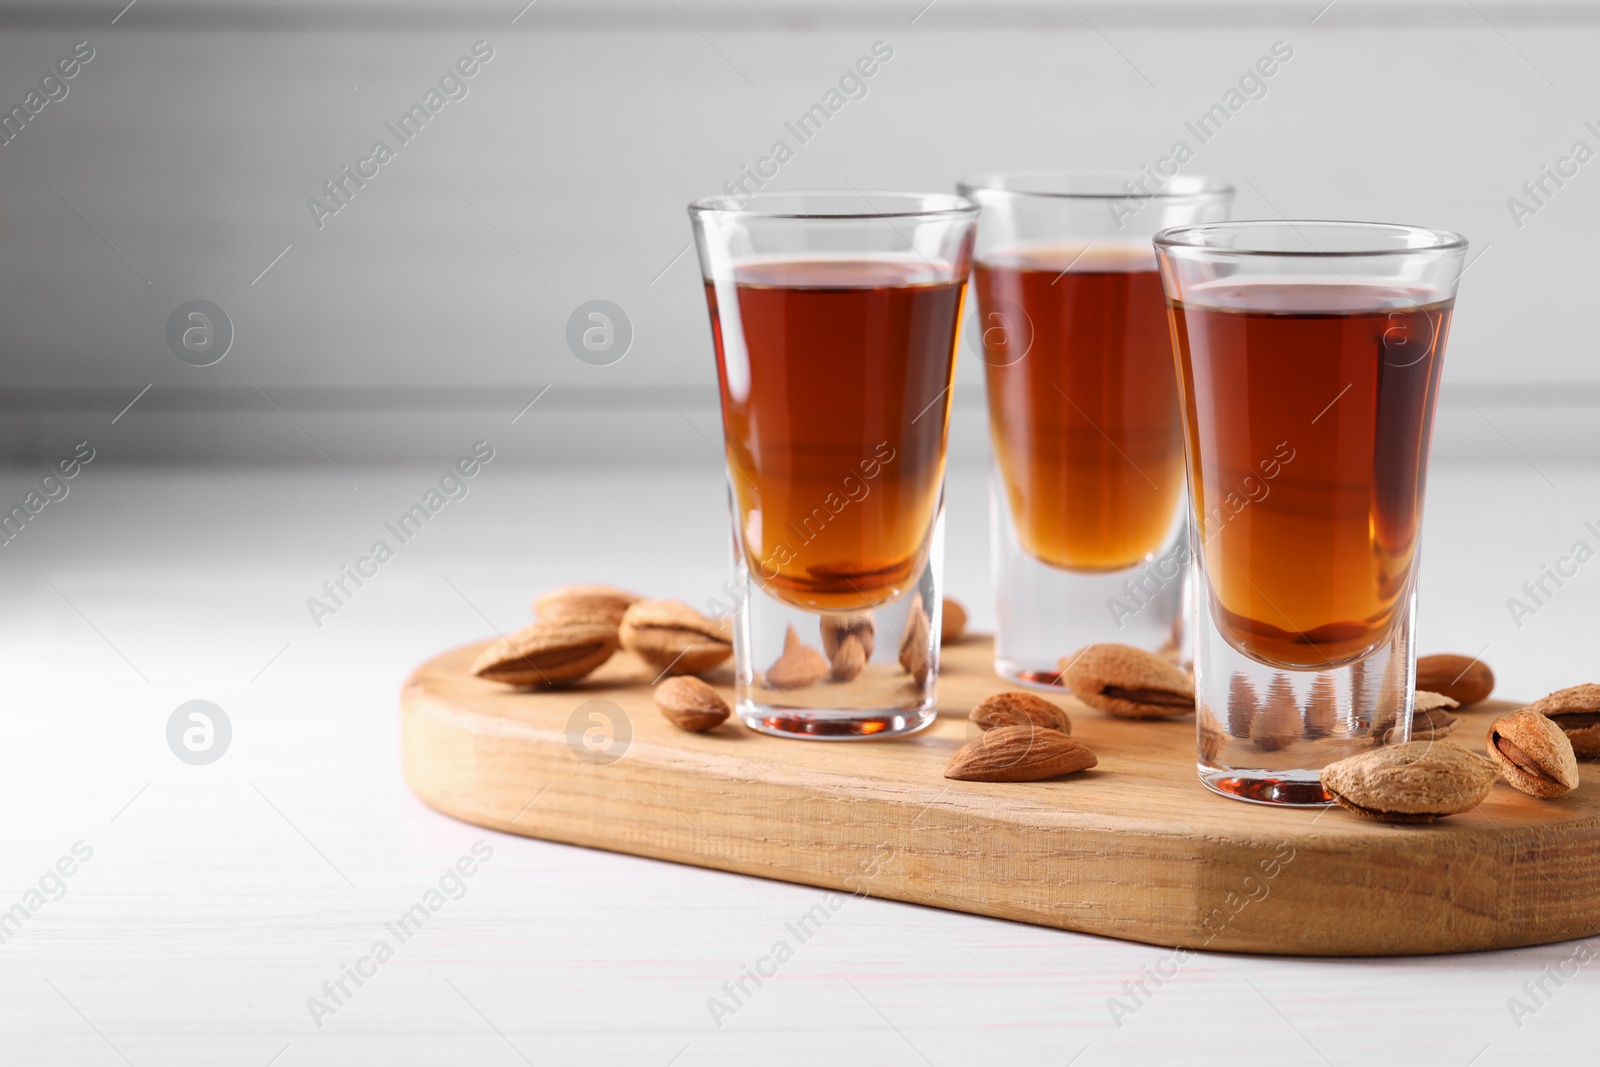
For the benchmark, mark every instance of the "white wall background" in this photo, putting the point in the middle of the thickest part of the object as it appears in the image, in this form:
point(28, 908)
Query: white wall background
point(432, 309)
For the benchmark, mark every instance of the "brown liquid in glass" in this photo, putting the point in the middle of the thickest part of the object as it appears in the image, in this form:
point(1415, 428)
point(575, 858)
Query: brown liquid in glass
point(835, 402)
point(1308, 567)
point(1085, 424)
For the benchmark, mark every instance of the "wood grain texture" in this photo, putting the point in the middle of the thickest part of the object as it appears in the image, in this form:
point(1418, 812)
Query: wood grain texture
point(1135, 848)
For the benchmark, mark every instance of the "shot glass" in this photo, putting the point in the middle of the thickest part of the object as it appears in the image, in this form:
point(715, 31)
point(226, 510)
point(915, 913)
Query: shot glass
point(1087, 495)
point(836, 317)
point(1309, 356)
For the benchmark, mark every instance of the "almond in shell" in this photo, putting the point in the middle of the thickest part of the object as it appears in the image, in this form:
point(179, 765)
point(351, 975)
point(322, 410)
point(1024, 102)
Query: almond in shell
point(837, 628)
point(1534, 754)
point(1128, 682)
point(1577, 712)
point(548, 654)
point(587, 600)
point(671, 636)
point(1419, 781)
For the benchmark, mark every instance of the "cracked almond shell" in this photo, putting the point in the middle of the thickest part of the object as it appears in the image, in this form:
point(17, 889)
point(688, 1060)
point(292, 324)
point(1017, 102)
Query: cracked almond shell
point(1128, 682)
point(548, 653)
point(1533, 753)
point(1577, 712)
point(673, 637)
point(1419, 781)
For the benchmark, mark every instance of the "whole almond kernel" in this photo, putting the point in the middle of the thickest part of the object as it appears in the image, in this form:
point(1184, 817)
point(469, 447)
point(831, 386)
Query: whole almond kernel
point(914, 643)
point(799, 666)
point(835, 628)
point(1577, 712)
point(1019, 754)
point(1019, 709)
point(849, 659)
point(547, 653)
point(1419, 781)
point(1534, 754)
point(1461, 678)
point(952, 621)
point(1128, 682)
point(690, 704)
point(671, 636)
point(588, 600)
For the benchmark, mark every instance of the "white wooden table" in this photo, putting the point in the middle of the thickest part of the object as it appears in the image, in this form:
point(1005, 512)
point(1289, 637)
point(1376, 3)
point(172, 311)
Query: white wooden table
point(218, 899)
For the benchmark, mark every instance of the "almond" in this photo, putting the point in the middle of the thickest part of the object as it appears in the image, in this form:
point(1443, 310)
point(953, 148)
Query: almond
point(1461, 678)
point(1577, 712)
point(584, 601)
point(952, 622)
point(547, 653)
point(1534, 754)
point(914, 643)
point(1128, 683)
point(673, 637)
point(1418, 781)
point(800, 665)
point(849, 660)
point(1430, 716)
point(1322, 708)
point(1277, 724)
point(1213, 739)
point(835, 628)
point(690, 704)
point(1019, 709)
point(1019, 754)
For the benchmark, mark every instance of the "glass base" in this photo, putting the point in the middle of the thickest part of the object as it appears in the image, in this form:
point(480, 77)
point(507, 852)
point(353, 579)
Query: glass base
point(1044, 614)
point(826, 724)
point(831, 675)
point(1295, 789)
point(1265, 731)
point(1047, 681)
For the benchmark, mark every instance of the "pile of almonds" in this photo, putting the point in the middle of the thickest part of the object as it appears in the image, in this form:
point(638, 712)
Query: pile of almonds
point(579, 627)
point(1534, 749)
point(1027, 738)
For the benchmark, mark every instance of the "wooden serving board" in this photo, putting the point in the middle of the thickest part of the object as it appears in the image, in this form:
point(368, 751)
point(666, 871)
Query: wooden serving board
point(1136, 848)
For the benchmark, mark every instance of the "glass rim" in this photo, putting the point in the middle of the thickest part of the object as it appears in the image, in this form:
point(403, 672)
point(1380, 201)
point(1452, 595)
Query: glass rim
point(1192, 238)
point(1029, 184)
point(934, 205)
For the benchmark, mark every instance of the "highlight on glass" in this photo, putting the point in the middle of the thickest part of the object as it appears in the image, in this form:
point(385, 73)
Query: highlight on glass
point(1309, 356)
point(835, 317)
